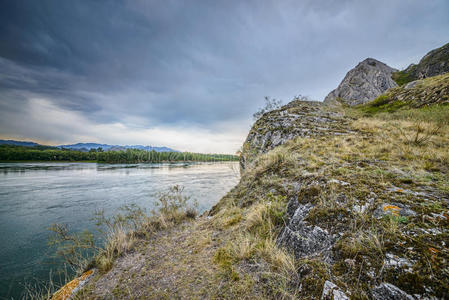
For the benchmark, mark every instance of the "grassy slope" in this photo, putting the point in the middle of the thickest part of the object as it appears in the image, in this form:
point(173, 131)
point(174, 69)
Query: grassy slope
point(392, 156)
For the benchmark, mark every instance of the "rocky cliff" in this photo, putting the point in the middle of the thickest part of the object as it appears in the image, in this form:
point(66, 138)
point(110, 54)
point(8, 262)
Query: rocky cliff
point(436, 62)
point(366, 81)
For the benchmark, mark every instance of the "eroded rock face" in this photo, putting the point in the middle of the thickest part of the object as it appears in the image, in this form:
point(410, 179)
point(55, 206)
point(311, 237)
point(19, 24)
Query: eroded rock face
point(364, 83)
point(387, 291)
point(296, 119)
point(301, 237)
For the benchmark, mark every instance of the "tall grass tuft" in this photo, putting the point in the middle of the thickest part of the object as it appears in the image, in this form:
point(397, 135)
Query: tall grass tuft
point(118, 235)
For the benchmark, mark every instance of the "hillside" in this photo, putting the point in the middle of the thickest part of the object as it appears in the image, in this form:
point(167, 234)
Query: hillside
point(333, 203)
point(19, 143)
point(436, 62)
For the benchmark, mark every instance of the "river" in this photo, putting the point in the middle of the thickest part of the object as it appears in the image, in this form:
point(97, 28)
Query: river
point(35, 195)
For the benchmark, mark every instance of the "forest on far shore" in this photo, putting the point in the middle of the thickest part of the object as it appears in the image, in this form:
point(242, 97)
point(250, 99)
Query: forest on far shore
point(10, 153)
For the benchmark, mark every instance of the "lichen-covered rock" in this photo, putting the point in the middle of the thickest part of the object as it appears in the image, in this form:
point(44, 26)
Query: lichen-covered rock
point(394, 209)
point(296, 119)
point(387, 291)
point(304, 238)
point(332, 292)
point(364, 83)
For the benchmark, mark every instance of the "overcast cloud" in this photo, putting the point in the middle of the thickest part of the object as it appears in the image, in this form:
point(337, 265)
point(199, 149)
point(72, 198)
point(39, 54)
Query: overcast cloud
point(188, 74)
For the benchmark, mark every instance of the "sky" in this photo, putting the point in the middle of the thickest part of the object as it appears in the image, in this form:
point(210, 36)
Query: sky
point(188, 74)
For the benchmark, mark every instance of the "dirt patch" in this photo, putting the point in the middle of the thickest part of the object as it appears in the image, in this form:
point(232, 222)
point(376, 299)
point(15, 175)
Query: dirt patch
point(176, 263)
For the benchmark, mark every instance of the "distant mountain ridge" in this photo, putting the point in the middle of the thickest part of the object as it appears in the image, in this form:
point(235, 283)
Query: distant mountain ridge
point(18, 143)
point(88, 146)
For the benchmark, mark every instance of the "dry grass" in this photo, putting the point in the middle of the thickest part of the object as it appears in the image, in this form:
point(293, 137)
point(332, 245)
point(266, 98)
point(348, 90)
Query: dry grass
point(121, 234)
point(381, 161)
point(390, 158)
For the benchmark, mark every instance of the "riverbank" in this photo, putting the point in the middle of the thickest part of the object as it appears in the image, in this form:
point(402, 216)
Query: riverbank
point(361, 211)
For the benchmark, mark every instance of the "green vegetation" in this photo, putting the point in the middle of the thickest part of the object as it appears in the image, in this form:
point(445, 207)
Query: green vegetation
point(404, 77)
point(142, 156)
point(427, 101)
point(42, 153)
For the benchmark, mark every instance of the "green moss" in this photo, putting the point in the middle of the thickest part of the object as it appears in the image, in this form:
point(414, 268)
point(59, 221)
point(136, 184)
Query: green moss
point(322, 215)
point(313, 274)
point(309, 194)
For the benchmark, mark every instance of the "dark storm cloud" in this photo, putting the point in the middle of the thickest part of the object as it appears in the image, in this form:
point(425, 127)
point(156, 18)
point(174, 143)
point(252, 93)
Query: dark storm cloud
point(198, 63)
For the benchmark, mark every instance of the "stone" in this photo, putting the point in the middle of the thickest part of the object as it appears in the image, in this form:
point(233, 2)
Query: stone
point(364, 83)
point(387, 291)
point(394, 261)
point(394, 209)
point(412, 84)
point(303, 238)
point(332, 292)
point(72, 287)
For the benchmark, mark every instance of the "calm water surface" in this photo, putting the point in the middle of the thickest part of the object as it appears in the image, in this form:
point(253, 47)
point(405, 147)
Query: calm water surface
point(35, 195)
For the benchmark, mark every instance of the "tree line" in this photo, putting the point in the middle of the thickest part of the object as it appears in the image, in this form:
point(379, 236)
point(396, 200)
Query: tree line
point(44, 153)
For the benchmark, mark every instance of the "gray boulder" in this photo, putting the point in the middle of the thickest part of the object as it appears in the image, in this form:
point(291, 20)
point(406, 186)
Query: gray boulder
point(364, 83)
point(303, 238)
point(332, 292)
point(387, 291)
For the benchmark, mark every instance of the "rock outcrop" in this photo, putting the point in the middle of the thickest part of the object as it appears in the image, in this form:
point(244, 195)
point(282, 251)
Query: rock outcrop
point(434, 63)
point(318, 160)
point(296, 119)
point(365, 82)
point(387, 291)
point(304, 238)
